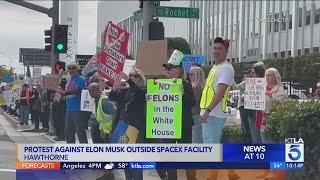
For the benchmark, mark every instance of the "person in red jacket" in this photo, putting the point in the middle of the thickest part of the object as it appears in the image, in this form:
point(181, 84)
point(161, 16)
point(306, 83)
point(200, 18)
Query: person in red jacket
point(24, 105)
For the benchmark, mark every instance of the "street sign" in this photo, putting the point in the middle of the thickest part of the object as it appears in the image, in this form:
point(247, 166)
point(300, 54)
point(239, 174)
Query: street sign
point(170, 12)
point(177, 12)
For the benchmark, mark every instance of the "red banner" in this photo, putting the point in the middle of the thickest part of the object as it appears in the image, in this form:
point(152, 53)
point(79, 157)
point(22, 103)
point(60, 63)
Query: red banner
point(112, 56)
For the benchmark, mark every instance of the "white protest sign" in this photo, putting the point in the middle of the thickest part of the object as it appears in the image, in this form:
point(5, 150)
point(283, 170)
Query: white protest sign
point(87, 102)
point(128, 66)
point(255, 93)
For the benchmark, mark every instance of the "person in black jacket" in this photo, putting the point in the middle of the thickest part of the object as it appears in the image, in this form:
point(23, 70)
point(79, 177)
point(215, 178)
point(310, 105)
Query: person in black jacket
point(130, 99)
point(174, 69)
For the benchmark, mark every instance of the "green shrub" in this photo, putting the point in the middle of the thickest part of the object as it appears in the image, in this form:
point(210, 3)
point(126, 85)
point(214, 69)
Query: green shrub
point(289, 118)
point(232, 134)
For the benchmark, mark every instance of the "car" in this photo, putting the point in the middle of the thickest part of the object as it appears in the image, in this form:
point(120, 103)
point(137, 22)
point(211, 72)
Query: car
point(295, 90)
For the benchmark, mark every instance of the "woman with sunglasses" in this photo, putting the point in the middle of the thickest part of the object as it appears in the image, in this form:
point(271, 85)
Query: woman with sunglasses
point(197, 79)
point(130, 99)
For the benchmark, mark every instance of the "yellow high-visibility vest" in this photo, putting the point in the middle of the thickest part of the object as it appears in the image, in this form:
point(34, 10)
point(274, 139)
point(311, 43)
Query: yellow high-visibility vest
point(105, 120)
point(209, 91)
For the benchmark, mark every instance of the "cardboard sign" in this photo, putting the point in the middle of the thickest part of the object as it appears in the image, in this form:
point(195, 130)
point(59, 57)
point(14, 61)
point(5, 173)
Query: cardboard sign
point(111, 59)
point(255, 93)
point(191, 59)
point(151, 55)
point(124, 134)
point(51, 81)
point(87, 102)
point(164, 108)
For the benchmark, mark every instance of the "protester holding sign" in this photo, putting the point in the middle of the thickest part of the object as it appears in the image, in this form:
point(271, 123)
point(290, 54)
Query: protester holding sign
point(246, 115)
point(213, 102)
point(59, 112)
point(130, 99)
point(258, 71)
point(76, 120)
point(103, 113)
point(174, 70)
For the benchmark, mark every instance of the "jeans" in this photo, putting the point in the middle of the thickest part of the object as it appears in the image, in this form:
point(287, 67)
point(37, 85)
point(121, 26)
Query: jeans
point(76, 122)
point(245, 115)
point(212, 130)
point(24, 113)
point(197, 130)
point(255, 132)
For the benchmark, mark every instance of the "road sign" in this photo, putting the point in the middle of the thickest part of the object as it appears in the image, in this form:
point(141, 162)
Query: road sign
point(177, 12)
point(171, 12)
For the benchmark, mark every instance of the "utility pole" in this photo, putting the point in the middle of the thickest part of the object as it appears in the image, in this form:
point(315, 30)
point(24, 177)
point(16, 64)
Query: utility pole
point(52, 13)
point(149, 10)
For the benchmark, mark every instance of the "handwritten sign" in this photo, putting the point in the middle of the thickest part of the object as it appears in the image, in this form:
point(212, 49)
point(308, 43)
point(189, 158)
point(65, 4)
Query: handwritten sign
point(113, 55)
point(87, 102)
point(189, 59)
point(51, 81)
point(164, 108)
point(255, 93)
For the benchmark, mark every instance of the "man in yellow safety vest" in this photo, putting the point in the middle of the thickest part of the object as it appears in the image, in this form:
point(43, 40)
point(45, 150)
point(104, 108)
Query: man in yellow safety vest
point(104, 110)
point(213, 101)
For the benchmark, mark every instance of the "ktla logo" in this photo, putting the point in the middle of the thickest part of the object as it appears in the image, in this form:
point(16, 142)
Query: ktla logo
point(294, 150)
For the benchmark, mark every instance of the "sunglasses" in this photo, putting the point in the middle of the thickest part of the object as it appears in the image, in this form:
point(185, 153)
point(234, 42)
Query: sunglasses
point(134, 75)
point(72, 68)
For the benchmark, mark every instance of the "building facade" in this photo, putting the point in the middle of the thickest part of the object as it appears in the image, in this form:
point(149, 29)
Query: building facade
point(257, 29)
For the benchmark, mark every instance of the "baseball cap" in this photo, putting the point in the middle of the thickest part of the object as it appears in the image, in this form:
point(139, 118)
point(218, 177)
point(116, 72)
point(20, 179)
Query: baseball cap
point(175, 60)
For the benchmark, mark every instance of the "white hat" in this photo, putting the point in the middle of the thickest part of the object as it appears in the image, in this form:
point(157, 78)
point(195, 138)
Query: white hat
point(175, 59)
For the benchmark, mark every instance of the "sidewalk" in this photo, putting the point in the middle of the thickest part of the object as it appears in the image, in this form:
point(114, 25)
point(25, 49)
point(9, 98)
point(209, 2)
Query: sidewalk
point(15, 133)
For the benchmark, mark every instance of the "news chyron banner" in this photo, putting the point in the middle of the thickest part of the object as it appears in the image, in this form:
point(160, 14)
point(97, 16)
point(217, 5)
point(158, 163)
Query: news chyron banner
point(113, 55)
point(36, 157)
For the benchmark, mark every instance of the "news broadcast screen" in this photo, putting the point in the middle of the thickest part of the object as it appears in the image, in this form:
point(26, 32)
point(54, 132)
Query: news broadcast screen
point(160, 90)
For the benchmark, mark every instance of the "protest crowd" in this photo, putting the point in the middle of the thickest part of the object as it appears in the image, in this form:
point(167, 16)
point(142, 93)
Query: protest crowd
point(84, 99)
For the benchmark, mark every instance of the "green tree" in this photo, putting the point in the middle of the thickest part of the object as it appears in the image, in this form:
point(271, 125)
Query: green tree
point(179, 43)
point(4, 71)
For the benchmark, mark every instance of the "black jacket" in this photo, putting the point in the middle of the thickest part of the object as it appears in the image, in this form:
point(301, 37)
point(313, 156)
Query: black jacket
point(131, 105)
point(188, 101)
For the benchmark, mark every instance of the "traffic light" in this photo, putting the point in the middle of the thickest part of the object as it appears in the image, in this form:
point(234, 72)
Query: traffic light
point(48, 39)
point(58, 66)
point(156, 30)
point(60, 38)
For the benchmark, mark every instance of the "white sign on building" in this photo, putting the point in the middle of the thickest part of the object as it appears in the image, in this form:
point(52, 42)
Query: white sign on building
point(69, 15)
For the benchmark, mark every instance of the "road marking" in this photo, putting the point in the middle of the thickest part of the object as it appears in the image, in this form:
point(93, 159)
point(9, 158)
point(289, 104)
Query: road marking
point(7, 170)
